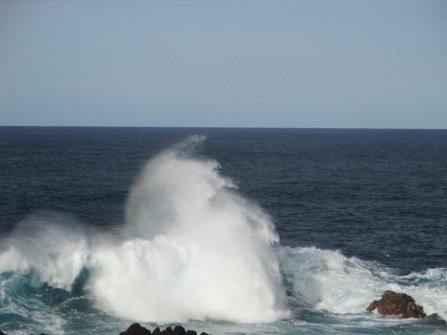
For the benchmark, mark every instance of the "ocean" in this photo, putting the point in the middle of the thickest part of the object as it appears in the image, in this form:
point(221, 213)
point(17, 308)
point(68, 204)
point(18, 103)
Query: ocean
point(228, 231)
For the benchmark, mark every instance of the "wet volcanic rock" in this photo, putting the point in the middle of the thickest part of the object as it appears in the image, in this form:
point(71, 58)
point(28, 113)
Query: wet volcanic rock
point(137, 329)
point(401, 304)
point(435, 319)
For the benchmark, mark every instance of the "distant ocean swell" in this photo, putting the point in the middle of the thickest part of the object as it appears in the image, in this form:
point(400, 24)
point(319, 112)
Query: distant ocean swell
point(192, 248)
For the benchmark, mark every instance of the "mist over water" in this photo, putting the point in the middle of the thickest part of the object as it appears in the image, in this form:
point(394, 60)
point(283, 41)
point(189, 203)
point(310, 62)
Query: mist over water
point(192, 248)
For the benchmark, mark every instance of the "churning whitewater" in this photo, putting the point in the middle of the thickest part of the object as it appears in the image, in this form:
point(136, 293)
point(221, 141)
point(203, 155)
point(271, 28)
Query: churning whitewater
point(193, 248)
point(190, 238)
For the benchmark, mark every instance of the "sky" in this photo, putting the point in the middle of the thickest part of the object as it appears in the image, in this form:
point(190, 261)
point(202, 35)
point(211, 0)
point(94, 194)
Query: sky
point(227, 63)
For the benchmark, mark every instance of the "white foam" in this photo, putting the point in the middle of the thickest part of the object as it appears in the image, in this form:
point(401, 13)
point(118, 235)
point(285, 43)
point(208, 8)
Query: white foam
point(328, 280)
point(53, 252)
point(194, 249)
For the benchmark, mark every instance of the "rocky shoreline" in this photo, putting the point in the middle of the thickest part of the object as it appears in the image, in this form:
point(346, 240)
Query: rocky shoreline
point(137, 329)
point(391, 304)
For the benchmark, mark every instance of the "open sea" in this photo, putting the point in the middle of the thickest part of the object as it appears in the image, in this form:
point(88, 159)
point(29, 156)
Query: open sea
point(228, 231)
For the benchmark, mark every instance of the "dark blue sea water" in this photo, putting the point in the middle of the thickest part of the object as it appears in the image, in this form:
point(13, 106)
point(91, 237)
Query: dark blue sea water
point(90, 243)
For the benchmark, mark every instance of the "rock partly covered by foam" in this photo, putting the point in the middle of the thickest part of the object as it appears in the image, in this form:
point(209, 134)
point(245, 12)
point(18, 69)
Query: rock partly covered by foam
point(137, 329)
point(401, 304)
point(435, 319)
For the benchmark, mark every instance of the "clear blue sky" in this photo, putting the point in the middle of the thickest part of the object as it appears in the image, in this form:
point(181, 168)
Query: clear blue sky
point(359, 63)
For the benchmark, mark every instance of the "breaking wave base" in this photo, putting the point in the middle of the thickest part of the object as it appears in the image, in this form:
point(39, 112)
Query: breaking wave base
point(192, 250)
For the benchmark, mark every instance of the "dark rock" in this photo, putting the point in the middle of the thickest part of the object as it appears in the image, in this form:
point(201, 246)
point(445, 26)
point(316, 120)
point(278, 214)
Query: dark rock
point(179, 330)
point(136, 329)
point(435, 319)
point(401, 304)
point(2, 333)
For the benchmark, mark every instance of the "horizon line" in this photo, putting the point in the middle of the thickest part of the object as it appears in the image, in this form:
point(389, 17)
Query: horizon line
point(219, 127)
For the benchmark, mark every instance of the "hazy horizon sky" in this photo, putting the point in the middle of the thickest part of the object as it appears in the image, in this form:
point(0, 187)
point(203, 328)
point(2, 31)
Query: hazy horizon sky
point(310, 63)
